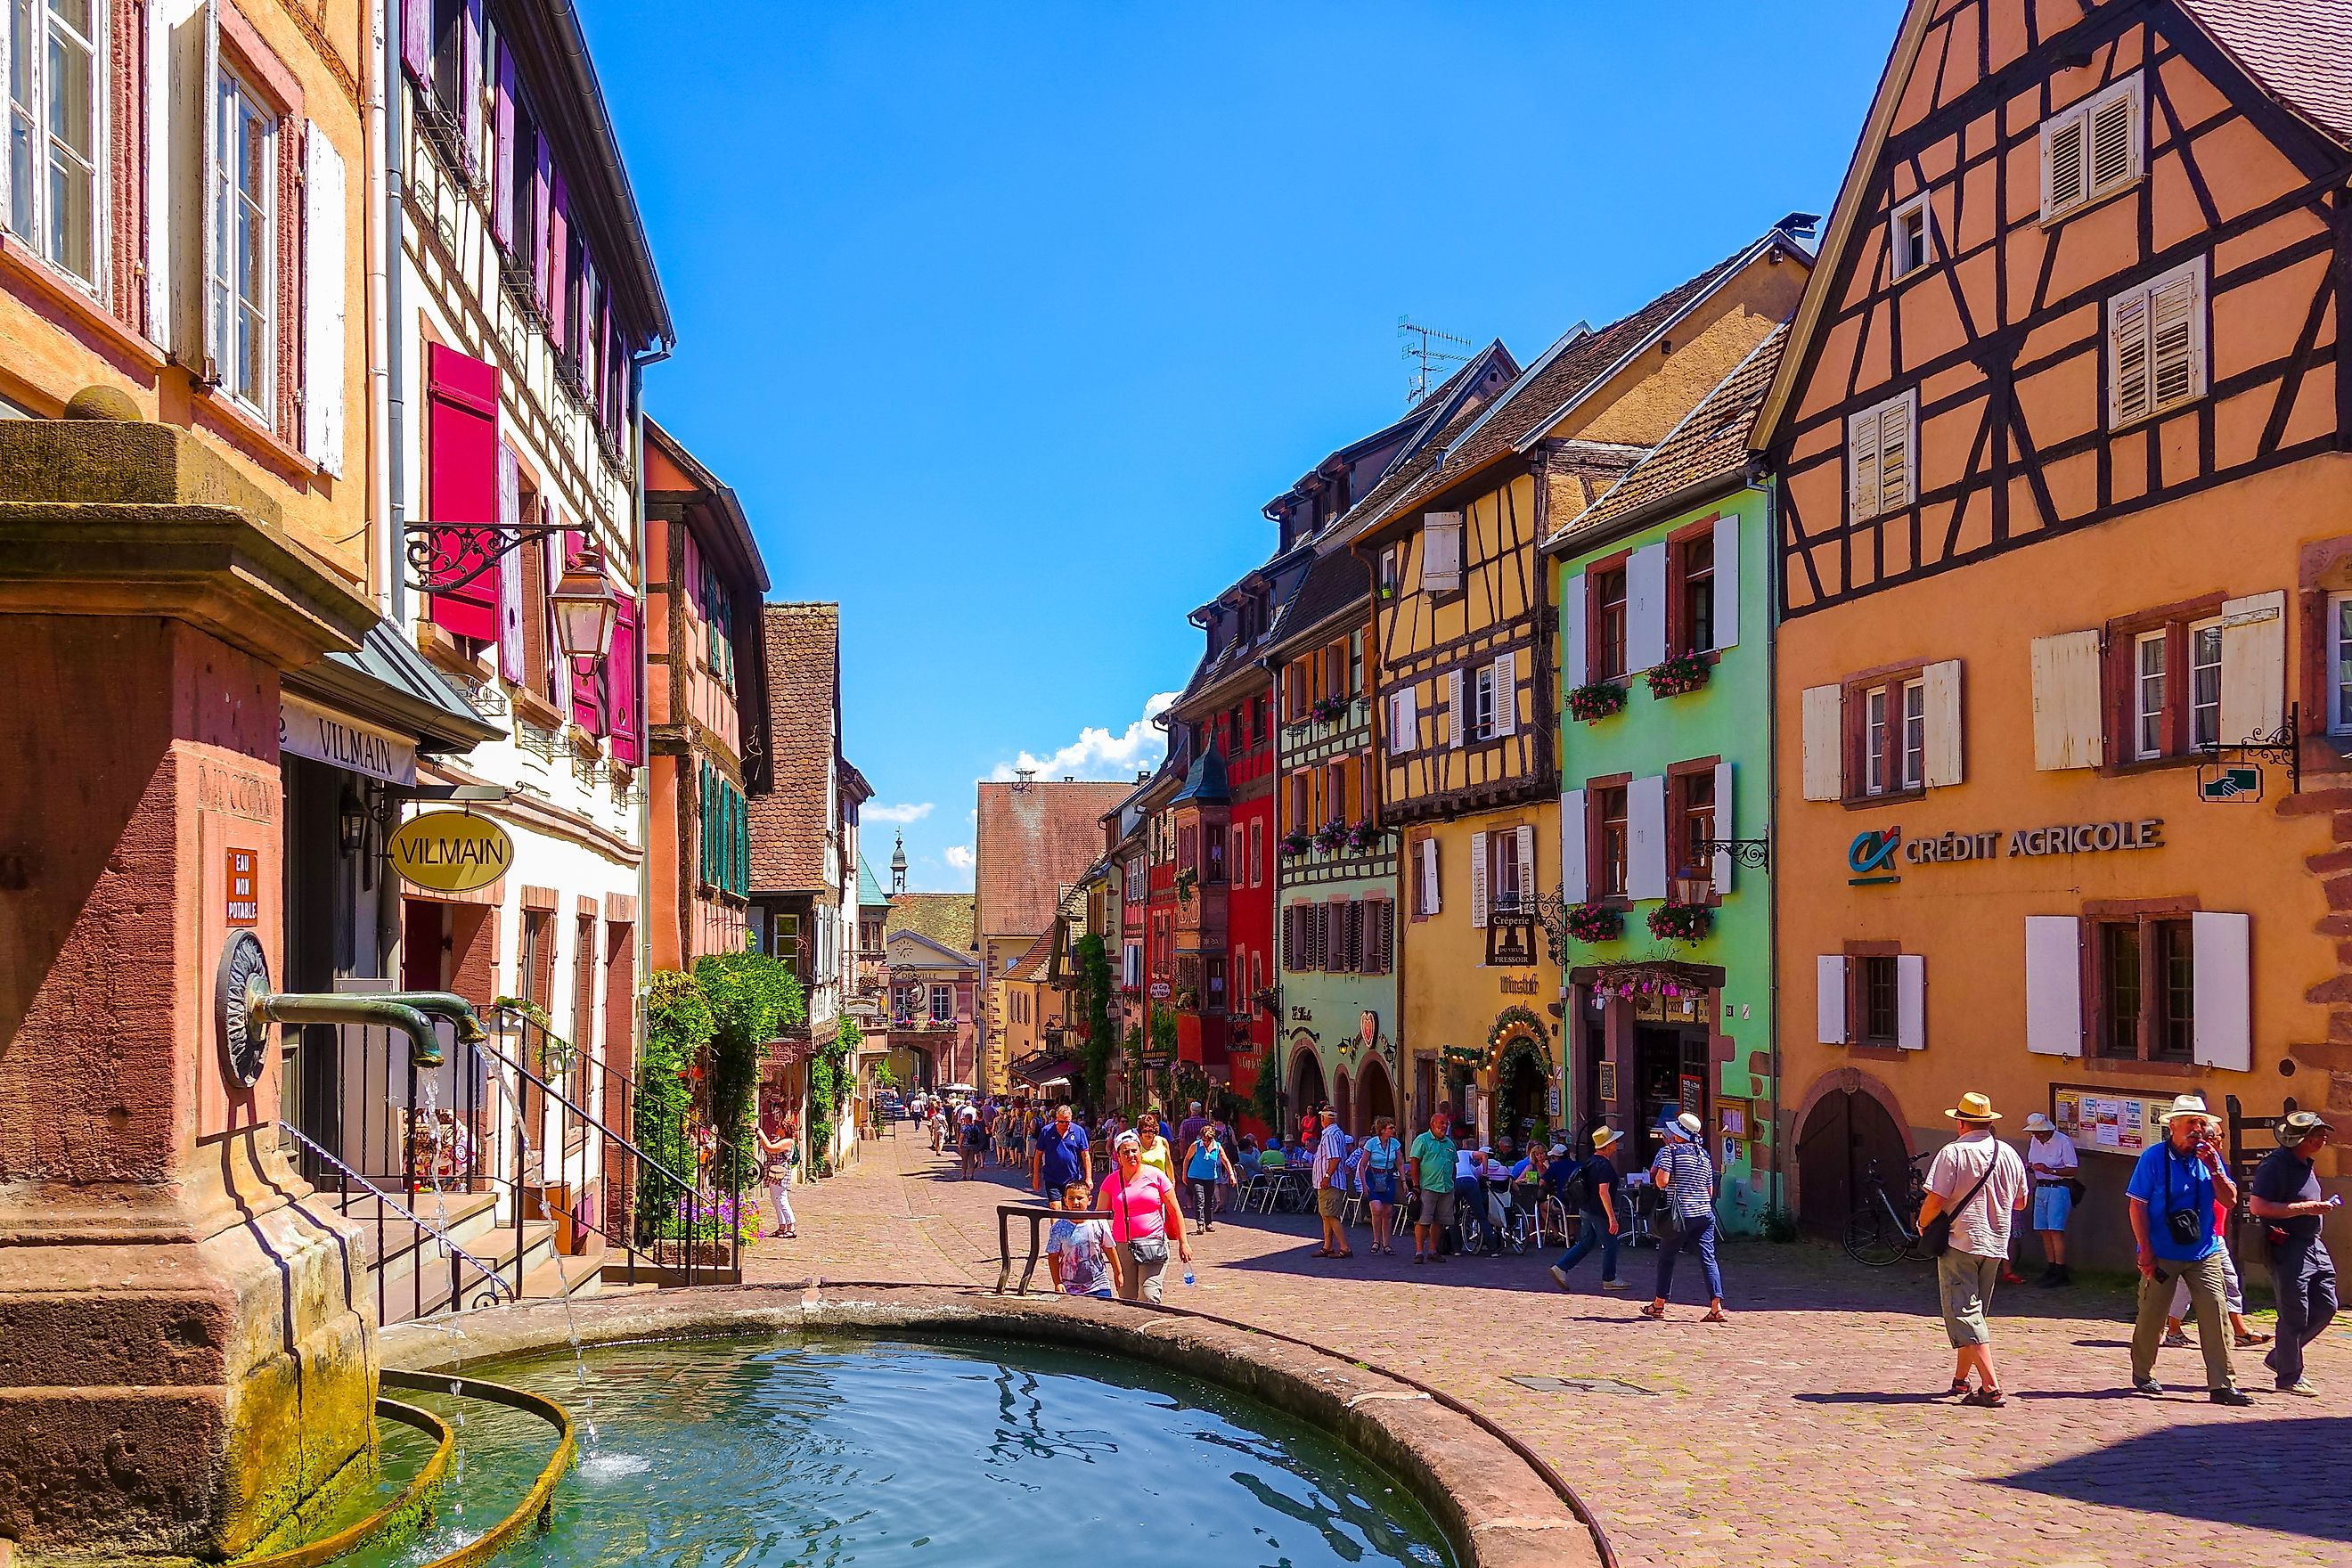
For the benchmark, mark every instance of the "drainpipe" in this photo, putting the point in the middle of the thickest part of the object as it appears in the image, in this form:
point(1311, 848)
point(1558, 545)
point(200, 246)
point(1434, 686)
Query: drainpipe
point(1769, 484)
point(637, 364)
point(384, 366)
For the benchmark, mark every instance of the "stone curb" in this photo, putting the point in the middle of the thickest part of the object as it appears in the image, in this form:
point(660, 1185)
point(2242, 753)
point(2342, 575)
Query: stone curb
point(1492, 1507)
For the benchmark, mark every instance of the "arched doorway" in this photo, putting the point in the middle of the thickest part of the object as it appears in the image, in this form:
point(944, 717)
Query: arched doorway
point(1306, 1088)
point(1375, 1096)
point(1342, 1104)
point(1522, 1102)
point(1846, 1129)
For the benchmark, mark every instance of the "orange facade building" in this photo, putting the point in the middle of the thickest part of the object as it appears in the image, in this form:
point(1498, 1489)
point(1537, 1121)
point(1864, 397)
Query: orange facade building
point(2065, 534)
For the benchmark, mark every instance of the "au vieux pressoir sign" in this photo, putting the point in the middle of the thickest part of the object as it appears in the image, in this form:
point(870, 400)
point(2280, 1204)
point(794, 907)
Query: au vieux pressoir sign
point(1872, 855)
point(450, 851)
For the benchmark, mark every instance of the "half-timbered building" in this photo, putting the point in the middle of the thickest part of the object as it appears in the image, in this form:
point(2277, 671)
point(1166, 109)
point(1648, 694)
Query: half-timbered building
point(2065, 532)
point(1466, 638)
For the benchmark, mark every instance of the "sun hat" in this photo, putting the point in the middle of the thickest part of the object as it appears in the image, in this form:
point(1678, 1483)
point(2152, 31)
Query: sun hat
point(2037, 1122)
point(2186, 1105)
point(1125, 1141)
point(1603, 1136)
point(1974, 1107)
point(2297, 1125)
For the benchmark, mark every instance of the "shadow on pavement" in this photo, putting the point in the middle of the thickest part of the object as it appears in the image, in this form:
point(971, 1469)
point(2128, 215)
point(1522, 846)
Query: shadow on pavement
point(2287, 1475)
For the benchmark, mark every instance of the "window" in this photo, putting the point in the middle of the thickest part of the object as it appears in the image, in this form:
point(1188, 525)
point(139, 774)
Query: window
point(1335, 791)
point(1695, 566)
point(244, 263)
point(787, 944)
point(2147, 997)
point(2205, 683)
point(56, 101)
point(1215, 837)
point(1388, 579)
point(1256, 851)
point(902, 1003)
point(2156, 346)
point(2339, 664)
point(2149, 730)
point(1482, 704)
point(1609, 625)
point(1506, 878)
point(942, 1004)
point(1608, 866)
point(535, 961)
point(1302, 802)
point(1694, 808)
point(1132, 965)
point(1908, 238)
point(2162, 682)
point(1895, 737)
point(1880, 475)
point(1881, 1018)
point(1355, 664)
point(2093, 150)
point(1915, 734)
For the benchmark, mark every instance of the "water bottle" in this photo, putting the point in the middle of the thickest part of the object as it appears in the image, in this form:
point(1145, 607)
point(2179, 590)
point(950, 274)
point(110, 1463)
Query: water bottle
point(1188, 1274)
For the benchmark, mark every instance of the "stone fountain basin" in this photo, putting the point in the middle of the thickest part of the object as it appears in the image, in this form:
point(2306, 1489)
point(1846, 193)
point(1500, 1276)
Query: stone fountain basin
point(1496, 1510)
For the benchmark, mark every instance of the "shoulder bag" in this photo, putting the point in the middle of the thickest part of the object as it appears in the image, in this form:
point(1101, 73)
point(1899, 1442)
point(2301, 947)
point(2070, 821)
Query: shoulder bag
point(1936, 1235)
point(1142, 1249)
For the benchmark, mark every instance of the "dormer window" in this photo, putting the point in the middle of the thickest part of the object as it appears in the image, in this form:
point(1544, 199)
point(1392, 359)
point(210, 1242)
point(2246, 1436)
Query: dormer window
point(1908, 238)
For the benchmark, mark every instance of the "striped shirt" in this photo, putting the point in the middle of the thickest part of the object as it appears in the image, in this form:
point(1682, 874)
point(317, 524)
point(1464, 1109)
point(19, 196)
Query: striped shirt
point(1690, 1179)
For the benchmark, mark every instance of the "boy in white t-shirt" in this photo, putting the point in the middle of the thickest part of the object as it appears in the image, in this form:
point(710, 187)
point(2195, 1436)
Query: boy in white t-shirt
point(2051, 1161)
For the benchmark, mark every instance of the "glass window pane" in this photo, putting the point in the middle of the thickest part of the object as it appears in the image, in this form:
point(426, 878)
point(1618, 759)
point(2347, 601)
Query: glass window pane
point(2343, 663)
point(2149, 696)
point(1915, 734)
point(1874, 744)
point(2204, 685)
point(2119, 990)
point(2174, 1036)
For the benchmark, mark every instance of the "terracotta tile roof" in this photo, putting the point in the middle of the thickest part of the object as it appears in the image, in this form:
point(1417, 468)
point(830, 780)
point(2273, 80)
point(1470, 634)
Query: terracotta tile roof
point(1030, 964)
point(1711, 442)
point(1034, 840)
point(802, 642)
point(1335, 582)
point(944, 918)
point(2299, 51)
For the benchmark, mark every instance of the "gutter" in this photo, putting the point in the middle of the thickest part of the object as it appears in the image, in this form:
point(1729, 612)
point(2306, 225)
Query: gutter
point(1782, 1144)
point(644, 932)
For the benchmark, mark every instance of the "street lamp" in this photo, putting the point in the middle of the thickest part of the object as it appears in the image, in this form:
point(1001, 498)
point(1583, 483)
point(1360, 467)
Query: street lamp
point(584, 606)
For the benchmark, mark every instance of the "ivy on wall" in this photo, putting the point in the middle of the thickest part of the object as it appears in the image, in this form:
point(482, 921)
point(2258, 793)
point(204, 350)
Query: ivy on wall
point(752, 999)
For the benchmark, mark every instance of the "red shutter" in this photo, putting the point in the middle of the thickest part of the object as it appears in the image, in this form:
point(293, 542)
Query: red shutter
point(502, 153)
point(462, 481)
point(417, 41)
point(624, 687)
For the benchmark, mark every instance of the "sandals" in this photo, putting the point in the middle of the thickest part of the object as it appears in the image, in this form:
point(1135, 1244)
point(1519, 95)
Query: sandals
point(1715, 1315)
point(2174, 1339)
point(1417, 1257)
point(2248, 1342)
point(1960, 1389)
point(1322, 1252)
point(1987, 1398)
point(1654, 1311)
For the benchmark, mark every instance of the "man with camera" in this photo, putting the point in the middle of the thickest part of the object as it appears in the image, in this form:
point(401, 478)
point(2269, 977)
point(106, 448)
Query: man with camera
point(2173, 1191)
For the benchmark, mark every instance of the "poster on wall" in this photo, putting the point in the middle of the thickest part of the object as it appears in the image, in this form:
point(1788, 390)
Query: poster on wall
point(1608, 1086)
point(2109, 1123)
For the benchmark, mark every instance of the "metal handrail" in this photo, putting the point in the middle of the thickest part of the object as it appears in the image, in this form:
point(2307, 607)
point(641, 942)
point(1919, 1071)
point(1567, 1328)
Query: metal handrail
point(427, 1227)
point(560, 1098)
point(1005, 1213)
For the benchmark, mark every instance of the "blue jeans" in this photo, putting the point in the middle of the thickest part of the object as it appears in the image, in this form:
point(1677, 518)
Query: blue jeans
point(1592, 1231)
point(1697, 1233)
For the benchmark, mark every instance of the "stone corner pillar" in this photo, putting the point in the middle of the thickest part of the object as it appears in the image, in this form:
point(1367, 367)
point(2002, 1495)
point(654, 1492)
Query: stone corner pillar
point(187, 1350)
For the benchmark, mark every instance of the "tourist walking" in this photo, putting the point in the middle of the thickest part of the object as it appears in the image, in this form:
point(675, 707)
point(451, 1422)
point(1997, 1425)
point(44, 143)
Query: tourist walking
point(1151, 1147)
point(1976, 1184)
point(2284, 1196)
point(1060, 1155)
point(1376, 1171)
point(1205, 1165)
point(1431, 1157)
point(1078, 1251)
point(1682, 1171)
point(780, 1161)
point(1146, 1219)
point(1328, 1175)
point(1189, 1127)
point(971, 1135)
point(2051, 1160)
point(2174, 1189)
point(1594, 1184)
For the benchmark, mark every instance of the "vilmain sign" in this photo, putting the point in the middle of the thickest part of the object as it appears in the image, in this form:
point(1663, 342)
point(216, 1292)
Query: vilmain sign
point(1871, 858)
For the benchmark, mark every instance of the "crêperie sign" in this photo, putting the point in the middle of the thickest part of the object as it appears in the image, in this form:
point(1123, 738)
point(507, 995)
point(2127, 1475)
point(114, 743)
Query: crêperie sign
point(450, 851)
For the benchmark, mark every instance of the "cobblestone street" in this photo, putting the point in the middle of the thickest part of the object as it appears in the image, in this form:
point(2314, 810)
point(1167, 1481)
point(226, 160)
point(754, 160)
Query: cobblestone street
point(1807, 1431)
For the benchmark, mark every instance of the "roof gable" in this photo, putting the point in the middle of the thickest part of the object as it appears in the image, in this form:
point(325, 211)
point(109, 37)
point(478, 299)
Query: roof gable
point(1031, 841)
point(913, 950)
point(790, 823)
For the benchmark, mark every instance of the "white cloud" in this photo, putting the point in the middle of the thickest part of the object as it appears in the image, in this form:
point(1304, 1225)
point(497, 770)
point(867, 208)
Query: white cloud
point(908, 812)
point(958, 856)
point(1097, 753)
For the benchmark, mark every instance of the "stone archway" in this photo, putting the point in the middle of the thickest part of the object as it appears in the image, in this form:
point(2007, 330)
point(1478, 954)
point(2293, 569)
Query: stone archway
point(1375, 1095)
point(1343, 1104)
point(1848, 1120)
point(1306, 1086)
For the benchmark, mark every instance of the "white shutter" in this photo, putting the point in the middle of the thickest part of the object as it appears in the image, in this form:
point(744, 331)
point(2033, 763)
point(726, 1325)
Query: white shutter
point(2068, 729)
point(1645, 608)
point(509, 569)
point(1441, 552)
point(1571, 632)
point(1645, 832)
point(2176, 335)
point(1861, 464)
point(322, 300)
point(1829, 1000)
point(1725, 825)
point(1727, 580)
point(2063, 146)
point(2127, 394)
point(1454, 714)
point(2222, 958)
point(1824, 737)
point(1943, 765)
point(1898, 474)
point(187, 252)
point(1478, 881)
point(2253, 667)
point(1911, 1002)
point(2114, 140)
point(1528, 886)
point(1506, 694)
point(1430, 901)
point(2053, 985)
point(1574, 887)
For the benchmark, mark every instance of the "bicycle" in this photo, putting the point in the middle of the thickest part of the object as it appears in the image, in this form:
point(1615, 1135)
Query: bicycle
point(1878, 1233)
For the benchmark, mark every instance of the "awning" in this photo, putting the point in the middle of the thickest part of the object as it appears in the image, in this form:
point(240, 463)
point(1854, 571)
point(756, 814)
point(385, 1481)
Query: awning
point(388, 682)
point(1040, 1070)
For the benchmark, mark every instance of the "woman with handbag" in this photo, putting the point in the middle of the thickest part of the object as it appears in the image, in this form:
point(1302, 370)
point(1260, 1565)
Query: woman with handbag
point(780, 1158)
point(1145, 1217)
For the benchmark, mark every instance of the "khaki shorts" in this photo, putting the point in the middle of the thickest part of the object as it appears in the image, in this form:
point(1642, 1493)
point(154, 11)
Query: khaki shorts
point(1330, 1202)
point(1436, 1209)
point(1965, 1281)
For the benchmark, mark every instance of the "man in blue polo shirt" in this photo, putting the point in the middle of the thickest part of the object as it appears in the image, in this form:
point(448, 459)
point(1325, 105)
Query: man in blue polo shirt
point(2173, 1191)
point(1060, 1157)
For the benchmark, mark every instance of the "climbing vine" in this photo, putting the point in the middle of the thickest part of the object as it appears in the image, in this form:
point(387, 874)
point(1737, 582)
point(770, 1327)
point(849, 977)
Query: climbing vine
point(752, 999)
point(1265, 1094)
point(1094, 983)
point(832, 1081)
point(679, 1027)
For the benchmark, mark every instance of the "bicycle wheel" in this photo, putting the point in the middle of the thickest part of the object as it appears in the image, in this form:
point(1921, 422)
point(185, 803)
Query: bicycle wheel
point(1872, 1238)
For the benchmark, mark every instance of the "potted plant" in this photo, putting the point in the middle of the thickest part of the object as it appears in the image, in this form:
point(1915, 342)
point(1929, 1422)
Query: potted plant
point(1591, 703)
point(1296, 842)
point(1684, 672)
point(1332, 838)
point(1364, 835)
point(1330, 709)
point(1184, 882)
point(1595, 922)
point(1671, 922)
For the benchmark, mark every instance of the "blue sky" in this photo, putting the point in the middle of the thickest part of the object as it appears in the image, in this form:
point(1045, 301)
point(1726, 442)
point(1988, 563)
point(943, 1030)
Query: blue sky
point(1005, 320)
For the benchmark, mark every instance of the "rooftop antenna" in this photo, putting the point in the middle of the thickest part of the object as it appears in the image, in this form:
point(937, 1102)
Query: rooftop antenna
point(1423, 348)
point(1023, 777)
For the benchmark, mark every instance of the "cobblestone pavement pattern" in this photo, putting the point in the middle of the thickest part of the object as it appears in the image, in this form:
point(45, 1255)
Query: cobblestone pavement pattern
point(1810, 1430)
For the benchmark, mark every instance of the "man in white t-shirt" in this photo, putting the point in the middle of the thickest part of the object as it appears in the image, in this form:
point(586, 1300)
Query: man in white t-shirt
point(1981, 1184)
point(2051, 1161)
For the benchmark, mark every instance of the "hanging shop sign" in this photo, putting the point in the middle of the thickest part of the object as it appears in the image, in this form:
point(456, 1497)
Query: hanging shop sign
point(1872, 855)
point(1510, 939)
point(450, 851)
point(324, 737)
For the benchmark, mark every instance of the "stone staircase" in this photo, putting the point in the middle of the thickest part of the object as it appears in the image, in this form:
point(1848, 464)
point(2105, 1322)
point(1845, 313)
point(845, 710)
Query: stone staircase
point(412, 1275)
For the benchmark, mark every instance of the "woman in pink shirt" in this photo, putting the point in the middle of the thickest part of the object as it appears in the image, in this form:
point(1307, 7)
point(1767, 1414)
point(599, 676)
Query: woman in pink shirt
point(1145, 1220)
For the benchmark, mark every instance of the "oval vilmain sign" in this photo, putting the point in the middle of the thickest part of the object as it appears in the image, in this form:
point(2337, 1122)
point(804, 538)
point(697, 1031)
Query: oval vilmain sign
point(450, 852)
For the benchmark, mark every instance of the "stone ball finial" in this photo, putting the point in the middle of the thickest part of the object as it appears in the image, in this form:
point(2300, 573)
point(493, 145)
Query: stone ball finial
point(102, 403)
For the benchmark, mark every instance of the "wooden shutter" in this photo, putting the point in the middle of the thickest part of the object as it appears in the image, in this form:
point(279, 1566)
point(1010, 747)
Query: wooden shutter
point(1383, 918)
point(1319, 916)
point(2069, 729)
point(624, 684)
point(462, 478)
point(2114, 136)
point(1288, 959)
point(1506, 694)
point(2063, 164)
point(1402, 722)
point(1441, 552)
point(1943, 763)
point(469, 82)
point(1571, 631)
point(1911, 1002)
point(2176, 336)
point(2222, 951)
point(511, 664)
point(1528, 886)
point(1824, 740)
point(559, 668)
point(543, 213)
point(1645, 837)
point(1645, 608)
point(1829, 1000)
point(416, 41)
point(555, 280)
point(503, 153)
point(324, 254)
point(1574, 885)
point(1727, 580)
point(2253, 667)
point(1897, 472)
point(193, 214)
point(1726, 827)
point(1454, 727)
point(1478, 881)
point(2128, 385)
point(1431, 899)
point(2053, 985)
point(1861, 464)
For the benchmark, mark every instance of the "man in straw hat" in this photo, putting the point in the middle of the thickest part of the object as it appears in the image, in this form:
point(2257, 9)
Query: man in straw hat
point(2173, 1191)
point(2285, 1198)
point(1598, 1222)
point(1683, 1172)
point(2051, 1160)
point(1981, 1184)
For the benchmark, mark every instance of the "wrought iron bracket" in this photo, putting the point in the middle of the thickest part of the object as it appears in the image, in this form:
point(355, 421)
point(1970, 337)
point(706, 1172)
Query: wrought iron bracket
point(2282, 746)
point(444, 557)
point(1756, 853)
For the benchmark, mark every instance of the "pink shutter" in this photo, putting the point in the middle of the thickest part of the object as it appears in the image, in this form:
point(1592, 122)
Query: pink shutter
point(416, 40)
point(510, 644)
point(559, 668)
point(624, 687)
point(469, 82)
point(559, 255)
point(502, 154)
point(546, 186)
point(462, 480)
point(587, 674)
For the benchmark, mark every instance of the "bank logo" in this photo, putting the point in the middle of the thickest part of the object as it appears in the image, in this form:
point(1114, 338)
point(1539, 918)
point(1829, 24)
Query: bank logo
point(1871, 857)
